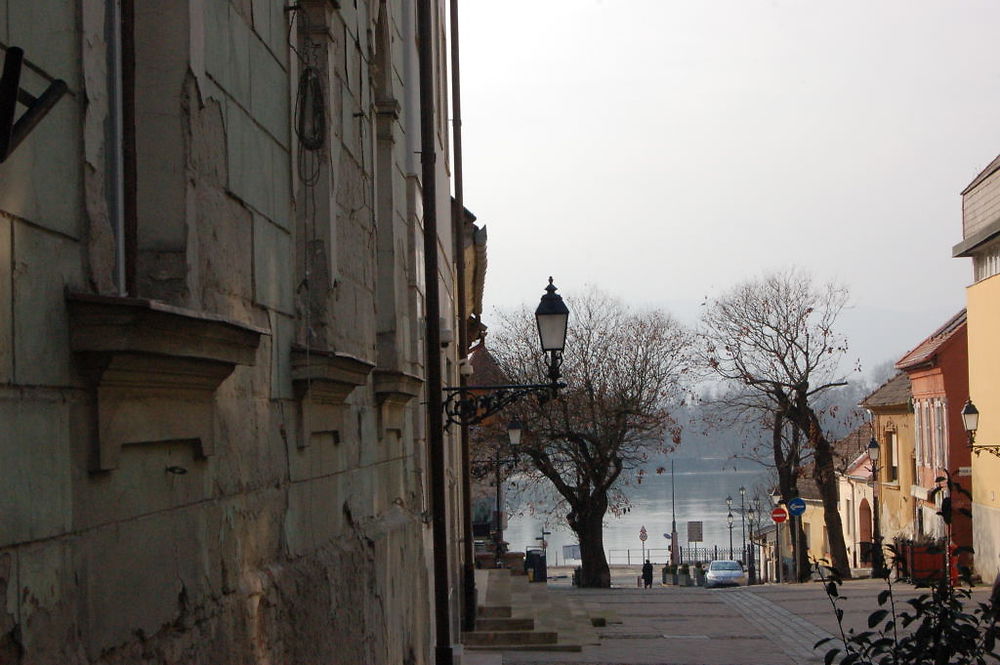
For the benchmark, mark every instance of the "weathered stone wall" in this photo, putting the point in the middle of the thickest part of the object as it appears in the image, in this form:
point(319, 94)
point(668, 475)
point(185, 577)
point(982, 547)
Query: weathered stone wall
point(281, 518)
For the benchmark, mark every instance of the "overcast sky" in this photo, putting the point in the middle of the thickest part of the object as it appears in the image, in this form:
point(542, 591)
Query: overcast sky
point(665, 151)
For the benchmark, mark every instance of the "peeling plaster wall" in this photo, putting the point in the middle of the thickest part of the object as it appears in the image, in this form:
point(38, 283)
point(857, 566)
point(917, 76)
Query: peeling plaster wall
point(281, 545)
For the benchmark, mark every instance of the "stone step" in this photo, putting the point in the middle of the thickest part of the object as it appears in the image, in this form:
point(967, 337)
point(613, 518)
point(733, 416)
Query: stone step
point(504, 623)
point(493, 611)
point(507, 638)
point(573, 648)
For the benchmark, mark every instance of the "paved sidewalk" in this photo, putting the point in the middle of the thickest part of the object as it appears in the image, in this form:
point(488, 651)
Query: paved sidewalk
point(771, 624)
point(792, 633)
point(669, 625)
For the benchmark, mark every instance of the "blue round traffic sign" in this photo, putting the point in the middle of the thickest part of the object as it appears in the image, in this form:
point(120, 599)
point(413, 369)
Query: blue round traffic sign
point(797, 506)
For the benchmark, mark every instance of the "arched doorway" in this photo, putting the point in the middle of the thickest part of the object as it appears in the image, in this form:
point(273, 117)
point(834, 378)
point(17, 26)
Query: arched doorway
point(865, 530)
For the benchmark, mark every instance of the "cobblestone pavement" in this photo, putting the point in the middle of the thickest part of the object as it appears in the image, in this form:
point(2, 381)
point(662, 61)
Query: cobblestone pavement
point(762, 625)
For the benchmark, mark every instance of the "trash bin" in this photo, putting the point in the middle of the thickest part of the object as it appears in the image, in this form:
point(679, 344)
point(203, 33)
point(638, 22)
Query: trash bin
point(534, 562)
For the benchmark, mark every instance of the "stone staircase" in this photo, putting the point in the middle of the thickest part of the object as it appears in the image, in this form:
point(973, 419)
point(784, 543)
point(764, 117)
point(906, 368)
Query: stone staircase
point(515, 615)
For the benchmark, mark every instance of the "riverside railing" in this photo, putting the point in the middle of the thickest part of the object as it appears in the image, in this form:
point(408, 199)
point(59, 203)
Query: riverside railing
point(688, 554)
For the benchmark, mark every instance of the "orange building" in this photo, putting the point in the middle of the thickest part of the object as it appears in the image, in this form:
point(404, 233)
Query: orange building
point(939, 382)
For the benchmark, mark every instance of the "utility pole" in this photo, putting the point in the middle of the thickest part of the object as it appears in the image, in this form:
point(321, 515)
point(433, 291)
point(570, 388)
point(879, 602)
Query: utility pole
point(674, 558)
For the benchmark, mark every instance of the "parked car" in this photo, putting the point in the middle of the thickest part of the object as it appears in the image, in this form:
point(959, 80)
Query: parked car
point(725, 572)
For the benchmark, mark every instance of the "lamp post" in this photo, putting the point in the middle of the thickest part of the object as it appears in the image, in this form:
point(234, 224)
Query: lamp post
point(743, 520)
point(878, 564)
point(751, 517)
point(514, 430)
point(778, 556)
point(729, 505)
point(729, 519)
point(675, 558)
point(970, 420)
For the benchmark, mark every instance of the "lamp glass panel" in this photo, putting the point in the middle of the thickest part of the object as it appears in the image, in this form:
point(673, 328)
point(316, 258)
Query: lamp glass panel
point(552, 331)
point(970, 417)
point(514, 431)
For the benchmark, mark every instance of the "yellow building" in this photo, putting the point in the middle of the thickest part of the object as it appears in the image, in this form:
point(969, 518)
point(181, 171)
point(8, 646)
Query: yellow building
point(854, 486)
point(981, 242)
point(892, 422)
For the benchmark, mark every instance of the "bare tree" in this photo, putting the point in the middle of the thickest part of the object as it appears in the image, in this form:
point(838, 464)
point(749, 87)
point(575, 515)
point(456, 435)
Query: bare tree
point(774, 337)
point(624, 371)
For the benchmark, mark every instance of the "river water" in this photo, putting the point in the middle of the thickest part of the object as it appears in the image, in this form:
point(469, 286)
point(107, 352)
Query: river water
point(699, 495)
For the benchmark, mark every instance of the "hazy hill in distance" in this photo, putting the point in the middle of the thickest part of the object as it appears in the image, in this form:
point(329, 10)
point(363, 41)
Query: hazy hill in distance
point(707, 445)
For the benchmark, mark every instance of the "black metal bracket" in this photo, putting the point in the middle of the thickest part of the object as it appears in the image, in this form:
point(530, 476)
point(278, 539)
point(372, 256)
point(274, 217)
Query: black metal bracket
point(993, 450)
point(469, 405)
point(978, 448)
point(480, 468)
point(13, 132)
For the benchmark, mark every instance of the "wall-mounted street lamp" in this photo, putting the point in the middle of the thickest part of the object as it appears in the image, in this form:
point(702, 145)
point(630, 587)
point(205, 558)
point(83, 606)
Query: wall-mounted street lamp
point(468, 405)
point(878, 561)
point(970, 420)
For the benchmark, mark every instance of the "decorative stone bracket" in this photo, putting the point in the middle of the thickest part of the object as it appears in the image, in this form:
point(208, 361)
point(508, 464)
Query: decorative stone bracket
point(323, 379)
point(154, 369)
point(394, 390)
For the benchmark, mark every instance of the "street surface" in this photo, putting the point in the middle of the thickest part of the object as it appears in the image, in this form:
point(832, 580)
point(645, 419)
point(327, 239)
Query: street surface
point(774, 624)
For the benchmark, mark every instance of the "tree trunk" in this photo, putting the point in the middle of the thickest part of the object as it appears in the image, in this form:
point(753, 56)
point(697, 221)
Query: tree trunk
point(826, 480)
point(589, 529)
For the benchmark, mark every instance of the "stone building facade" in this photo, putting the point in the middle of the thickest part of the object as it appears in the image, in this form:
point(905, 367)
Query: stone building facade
point(212, 339)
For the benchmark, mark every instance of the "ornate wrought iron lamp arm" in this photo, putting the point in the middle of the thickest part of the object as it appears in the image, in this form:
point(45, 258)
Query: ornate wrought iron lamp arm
point(470, 405)
point(978, 448)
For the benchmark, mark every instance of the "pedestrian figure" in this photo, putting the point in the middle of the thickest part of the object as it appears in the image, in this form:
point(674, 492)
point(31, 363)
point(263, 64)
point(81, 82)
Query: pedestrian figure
point(647, 574)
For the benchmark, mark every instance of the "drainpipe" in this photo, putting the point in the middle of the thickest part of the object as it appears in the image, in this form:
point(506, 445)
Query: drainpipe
point(468, 549)
point(432, 363)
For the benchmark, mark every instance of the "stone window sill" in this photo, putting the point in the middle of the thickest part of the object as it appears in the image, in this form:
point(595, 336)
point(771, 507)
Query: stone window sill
point(155, 369)
point(323, 379)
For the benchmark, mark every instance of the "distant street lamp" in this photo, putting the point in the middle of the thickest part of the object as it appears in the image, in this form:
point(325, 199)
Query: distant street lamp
point(514, 430)
point(743, 522)
point(729, 519)
point(752, 517)
point(878, 562)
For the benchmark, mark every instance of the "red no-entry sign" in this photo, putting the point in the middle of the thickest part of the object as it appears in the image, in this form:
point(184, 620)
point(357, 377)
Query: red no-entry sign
point(779, 515)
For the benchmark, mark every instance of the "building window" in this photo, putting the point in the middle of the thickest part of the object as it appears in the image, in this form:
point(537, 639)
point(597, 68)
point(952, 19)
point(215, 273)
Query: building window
point(987, 262)
point(918, 437)
point(892, 456)
point(939, 434)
